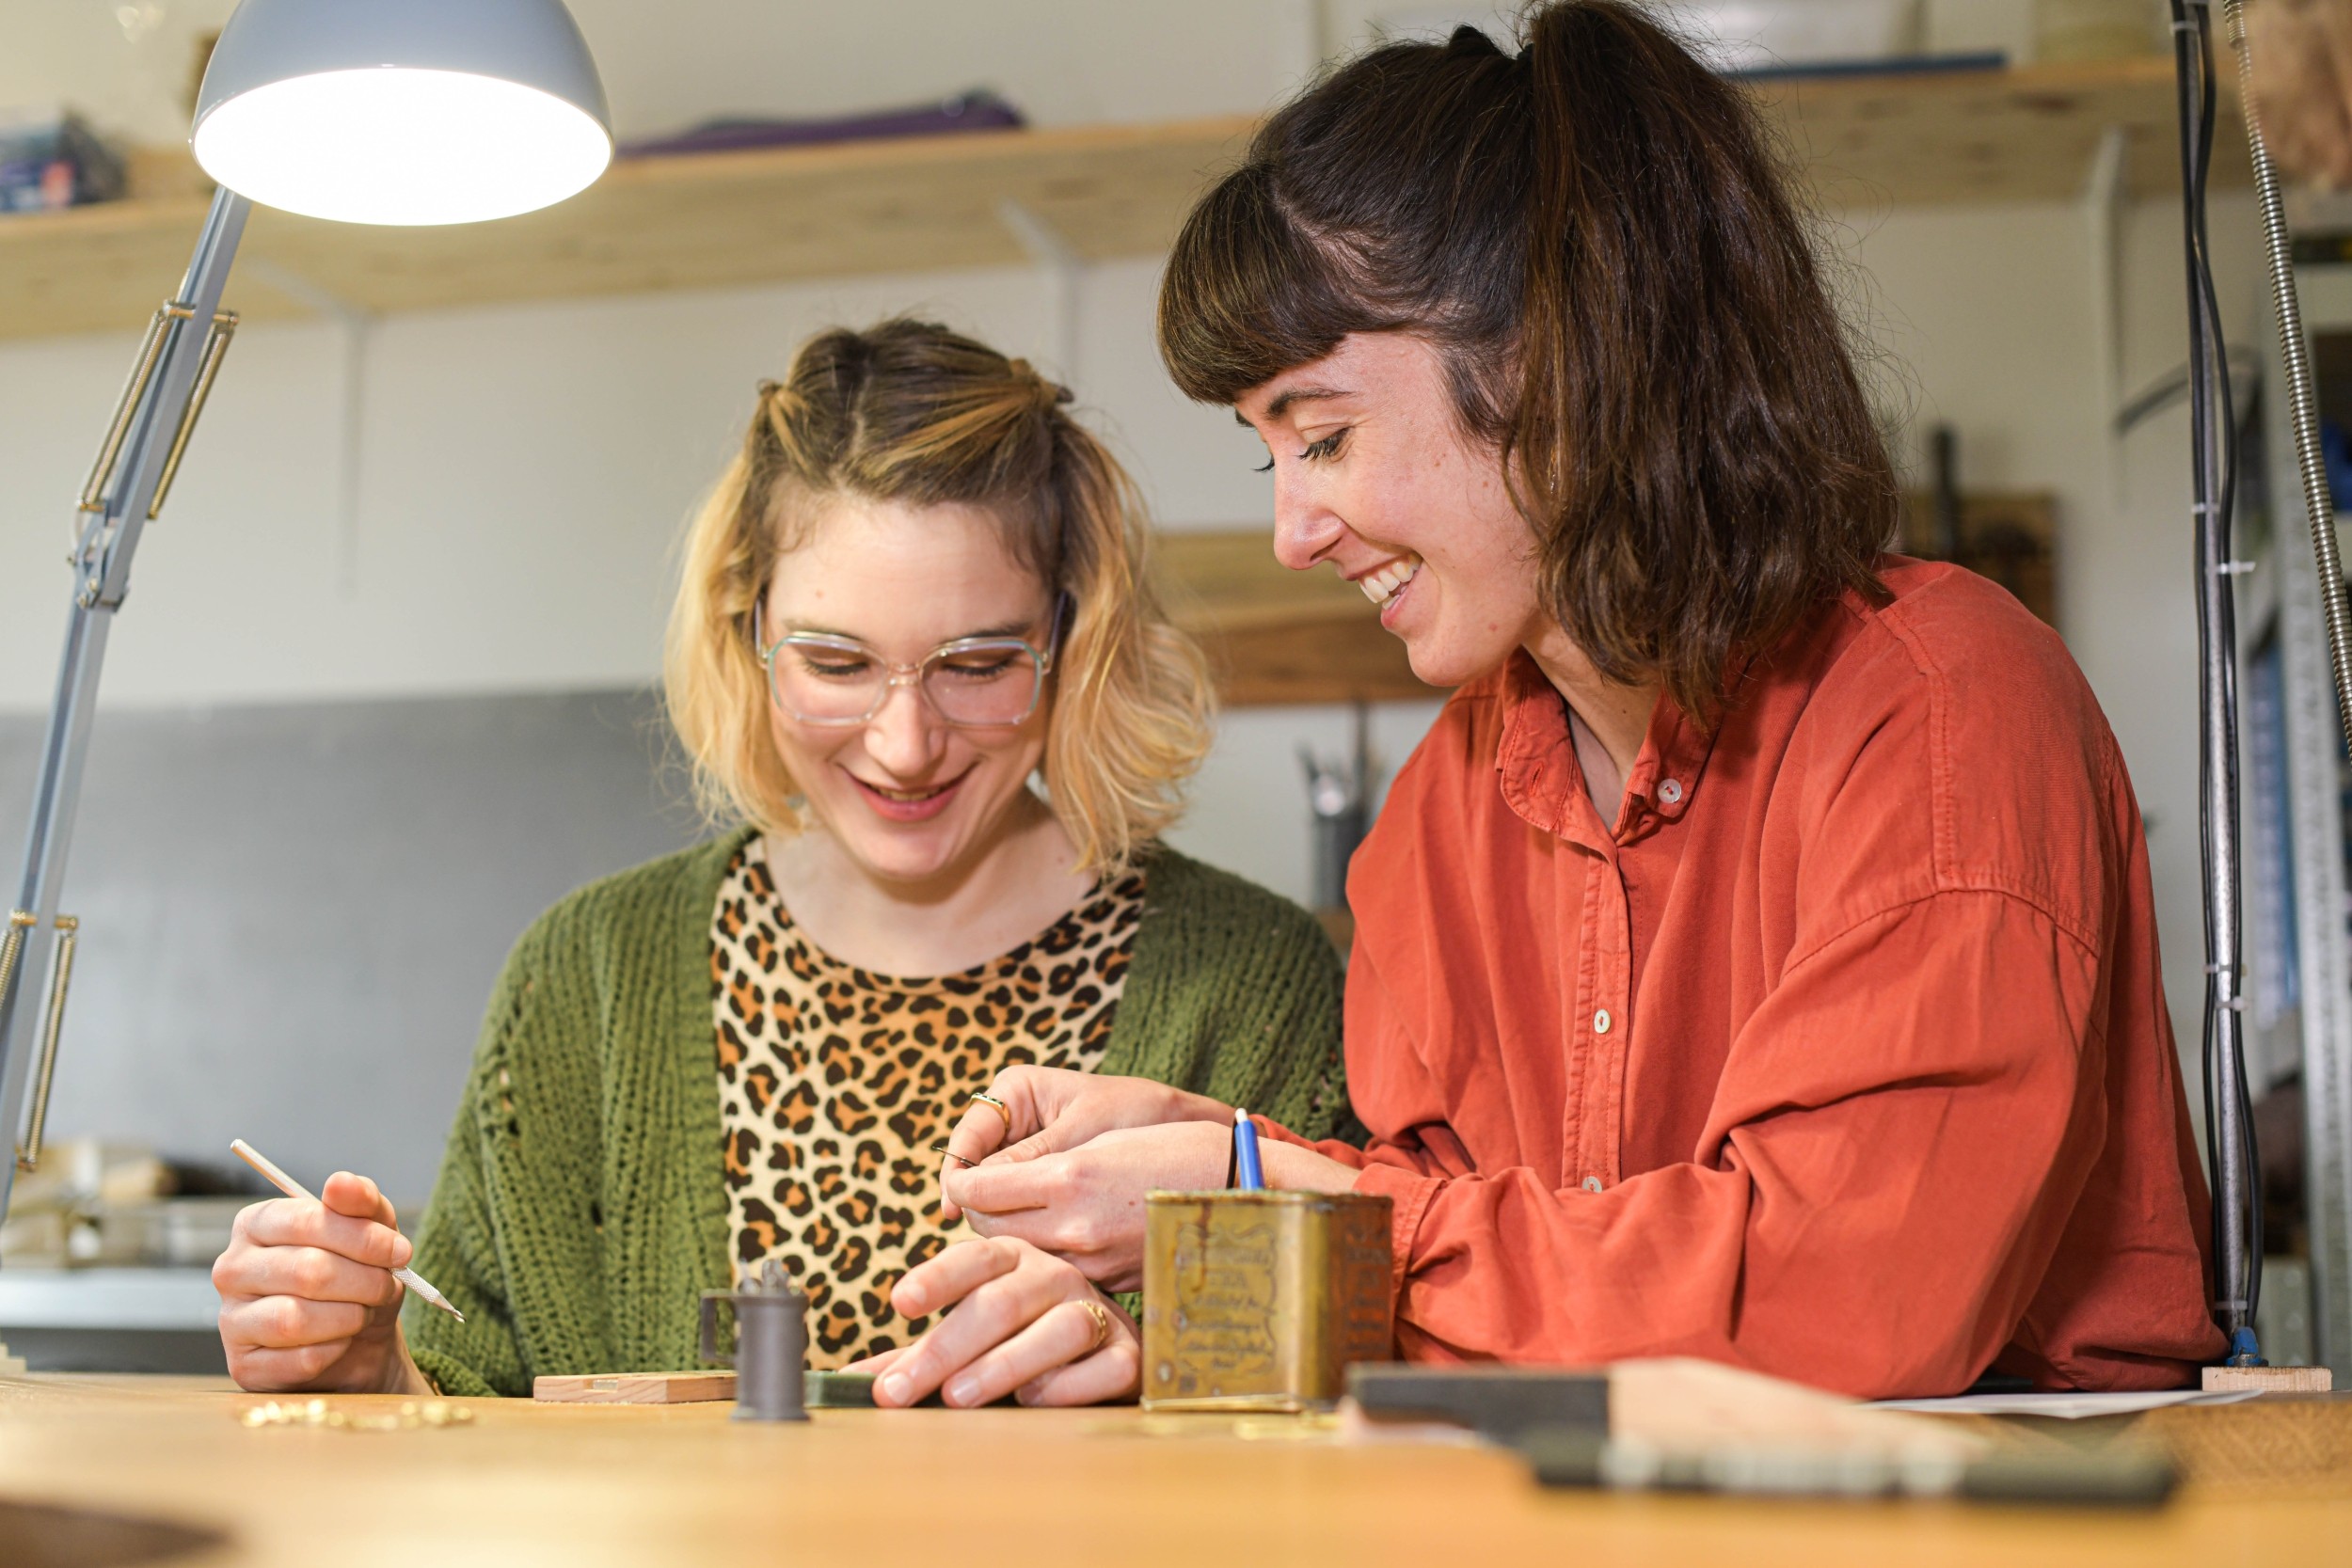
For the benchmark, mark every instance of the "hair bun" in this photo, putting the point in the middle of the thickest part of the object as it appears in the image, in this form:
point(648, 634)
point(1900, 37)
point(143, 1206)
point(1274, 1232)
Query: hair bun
point(1466, 40)
point(1048, 394)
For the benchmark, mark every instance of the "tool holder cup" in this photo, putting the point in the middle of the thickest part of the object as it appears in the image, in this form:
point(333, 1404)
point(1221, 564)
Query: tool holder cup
point(771, 1348)
point(1261, 1300)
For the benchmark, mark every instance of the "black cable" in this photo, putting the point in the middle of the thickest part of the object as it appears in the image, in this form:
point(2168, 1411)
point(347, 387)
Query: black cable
point(2214, 459)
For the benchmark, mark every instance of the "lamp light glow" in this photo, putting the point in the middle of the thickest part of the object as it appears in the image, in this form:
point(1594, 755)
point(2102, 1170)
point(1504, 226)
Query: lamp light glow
point(402, 146)
point(403, 111)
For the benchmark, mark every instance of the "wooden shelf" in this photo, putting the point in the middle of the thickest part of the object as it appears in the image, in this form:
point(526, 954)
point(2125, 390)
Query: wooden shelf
point(1946, 139)
point(744, 219)
point(710, 221)
point(1276, 636)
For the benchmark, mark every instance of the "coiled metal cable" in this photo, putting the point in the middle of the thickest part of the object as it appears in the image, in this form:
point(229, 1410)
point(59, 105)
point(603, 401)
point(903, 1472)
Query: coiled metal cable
point(2302, 399)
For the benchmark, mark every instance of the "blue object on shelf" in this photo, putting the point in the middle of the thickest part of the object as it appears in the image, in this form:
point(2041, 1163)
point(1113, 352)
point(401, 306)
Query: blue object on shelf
point(49, 159)
point(2335, 450)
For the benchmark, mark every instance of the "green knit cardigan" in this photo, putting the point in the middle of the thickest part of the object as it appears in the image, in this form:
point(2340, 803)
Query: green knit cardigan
point(581, 1208)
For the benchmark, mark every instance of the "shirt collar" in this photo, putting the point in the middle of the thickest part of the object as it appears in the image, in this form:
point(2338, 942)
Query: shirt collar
point(1543, 783)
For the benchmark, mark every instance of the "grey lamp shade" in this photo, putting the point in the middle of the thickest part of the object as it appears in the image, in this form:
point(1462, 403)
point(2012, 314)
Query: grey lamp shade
point(403, 111)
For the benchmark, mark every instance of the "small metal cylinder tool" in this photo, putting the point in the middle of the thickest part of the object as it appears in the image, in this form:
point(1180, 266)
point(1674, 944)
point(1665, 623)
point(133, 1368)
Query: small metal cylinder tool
point(770, 1344)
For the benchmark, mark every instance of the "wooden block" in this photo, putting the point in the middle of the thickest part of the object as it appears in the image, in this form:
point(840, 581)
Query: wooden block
point(2271, 1380)
point(635, 1388)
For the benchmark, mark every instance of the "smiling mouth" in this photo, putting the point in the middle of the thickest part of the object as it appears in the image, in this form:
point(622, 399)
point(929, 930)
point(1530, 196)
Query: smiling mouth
point(909, 797)
point(1382, 585)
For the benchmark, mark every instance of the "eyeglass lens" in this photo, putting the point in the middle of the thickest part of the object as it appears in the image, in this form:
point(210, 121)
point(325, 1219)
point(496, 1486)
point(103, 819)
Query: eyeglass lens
point(985, 683)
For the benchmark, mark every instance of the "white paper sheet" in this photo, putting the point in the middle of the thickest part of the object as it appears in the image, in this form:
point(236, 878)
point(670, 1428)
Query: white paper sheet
point(2066, 1407)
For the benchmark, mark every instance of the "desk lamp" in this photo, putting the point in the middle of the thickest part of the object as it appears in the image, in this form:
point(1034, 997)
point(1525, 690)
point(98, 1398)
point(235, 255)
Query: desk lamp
point(359, 111)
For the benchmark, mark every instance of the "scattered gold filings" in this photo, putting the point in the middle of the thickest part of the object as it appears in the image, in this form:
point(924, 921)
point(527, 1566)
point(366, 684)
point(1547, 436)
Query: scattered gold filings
point(319, 1413)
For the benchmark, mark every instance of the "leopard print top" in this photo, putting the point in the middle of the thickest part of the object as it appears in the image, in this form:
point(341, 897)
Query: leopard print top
point(834, 1081)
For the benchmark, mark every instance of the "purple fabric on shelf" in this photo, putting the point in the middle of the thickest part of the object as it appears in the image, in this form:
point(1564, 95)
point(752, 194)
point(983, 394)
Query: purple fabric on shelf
point(979, 110)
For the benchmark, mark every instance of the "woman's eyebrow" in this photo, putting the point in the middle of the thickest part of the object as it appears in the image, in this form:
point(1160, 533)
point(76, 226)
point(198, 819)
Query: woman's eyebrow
point(1006, 630)
point(1284, 400)
point(1282, 403)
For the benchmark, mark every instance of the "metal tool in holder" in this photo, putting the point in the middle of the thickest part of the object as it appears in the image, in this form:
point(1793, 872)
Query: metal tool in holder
point(1340, 795)
point(771, 1353)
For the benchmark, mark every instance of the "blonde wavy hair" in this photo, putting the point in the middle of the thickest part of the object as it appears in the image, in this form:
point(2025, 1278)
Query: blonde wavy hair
point(909, 411)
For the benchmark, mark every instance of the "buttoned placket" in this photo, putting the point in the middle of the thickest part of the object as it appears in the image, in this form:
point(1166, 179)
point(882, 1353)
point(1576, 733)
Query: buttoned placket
point(1600, 1024)
point(1598, 1029)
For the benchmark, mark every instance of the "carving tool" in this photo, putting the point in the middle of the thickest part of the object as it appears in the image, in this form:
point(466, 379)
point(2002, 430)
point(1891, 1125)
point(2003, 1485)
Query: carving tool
point(291, 1188)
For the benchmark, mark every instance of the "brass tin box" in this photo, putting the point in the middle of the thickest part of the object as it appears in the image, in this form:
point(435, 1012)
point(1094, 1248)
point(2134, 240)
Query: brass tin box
point(1260, 1300)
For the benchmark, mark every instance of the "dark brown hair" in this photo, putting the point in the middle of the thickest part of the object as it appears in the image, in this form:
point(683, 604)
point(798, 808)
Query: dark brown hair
point(1598, 236)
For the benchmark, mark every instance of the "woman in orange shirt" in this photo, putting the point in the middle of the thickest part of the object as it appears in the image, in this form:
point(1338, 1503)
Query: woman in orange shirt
point(1756, 960)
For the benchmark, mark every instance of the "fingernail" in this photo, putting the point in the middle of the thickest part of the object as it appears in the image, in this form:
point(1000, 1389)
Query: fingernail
point(963, 1391)
point(893, 1387)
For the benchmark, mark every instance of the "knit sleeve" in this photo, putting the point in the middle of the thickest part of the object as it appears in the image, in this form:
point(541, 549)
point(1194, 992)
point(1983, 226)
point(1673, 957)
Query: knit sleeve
point(1301, 1080)
point(457, 1245)
point(1237, 995)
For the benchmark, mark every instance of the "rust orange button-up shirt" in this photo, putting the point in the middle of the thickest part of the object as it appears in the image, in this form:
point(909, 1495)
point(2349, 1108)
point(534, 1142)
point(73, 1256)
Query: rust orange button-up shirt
point(1841, 1054)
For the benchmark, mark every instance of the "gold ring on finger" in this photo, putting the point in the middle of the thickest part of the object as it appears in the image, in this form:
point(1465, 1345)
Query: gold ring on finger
point(999, 1107)
point(1102, 1316)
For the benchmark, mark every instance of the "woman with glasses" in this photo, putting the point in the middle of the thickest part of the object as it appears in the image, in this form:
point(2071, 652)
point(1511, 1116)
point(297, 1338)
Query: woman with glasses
point(916, 655)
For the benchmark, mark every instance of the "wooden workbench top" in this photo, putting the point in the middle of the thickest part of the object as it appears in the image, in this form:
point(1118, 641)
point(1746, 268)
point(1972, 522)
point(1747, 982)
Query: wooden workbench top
point(590, 1485)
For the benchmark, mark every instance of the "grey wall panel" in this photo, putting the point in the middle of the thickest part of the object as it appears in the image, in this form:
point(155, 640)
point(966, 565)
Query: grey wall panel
point(293, 916)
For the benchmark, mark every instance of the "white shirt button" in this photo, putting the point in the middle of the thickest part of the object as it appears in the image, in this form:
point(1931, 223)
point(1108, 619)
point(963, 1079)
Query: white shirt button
point(1592, 1183)
point(1670, 791)
point(1601, 1022)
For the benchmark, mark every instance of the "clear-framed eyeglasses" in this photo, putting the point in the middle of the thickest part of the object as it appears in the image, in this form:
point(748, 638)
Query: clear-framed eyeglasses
point(973, 682)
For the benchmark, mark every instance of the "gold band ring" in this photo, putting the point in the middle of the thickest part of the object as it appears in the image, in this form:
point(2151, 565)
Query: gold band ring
point(1102, 1316)
point(999, 1107)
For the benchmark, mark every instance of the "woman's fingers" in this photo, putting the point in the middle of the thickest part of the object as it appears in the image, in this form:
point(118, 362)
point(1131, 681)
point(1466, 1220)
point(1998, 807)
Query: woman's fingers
point(1070, 1109)
point(985, 1316)
point(289, 1322)
point(982, 1130)
point(359, 1198)
point(949, 1277)
point(300, 1223)
point(874, 1366)
point(1062, 1333)
point(305, 1272)
point(1113, 1372)
point(259, 1369)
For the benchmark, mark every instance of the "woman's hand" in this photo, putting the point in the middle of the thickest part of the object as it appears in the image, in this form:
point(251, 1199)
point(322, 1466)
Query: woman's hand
point(307, 1300)
point(1048, 1110)
point(1022, 1322)
point(1086, 1206)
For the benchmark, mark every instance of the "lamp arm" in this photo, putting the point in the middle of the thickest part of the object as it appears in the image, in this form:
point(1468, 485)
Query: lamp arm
point(148, 435)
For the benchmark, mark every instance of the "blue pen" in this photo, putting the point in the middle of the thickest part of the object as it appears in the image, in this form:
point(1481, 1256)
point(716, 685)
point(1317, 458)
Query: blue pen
point(1248, 1176)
